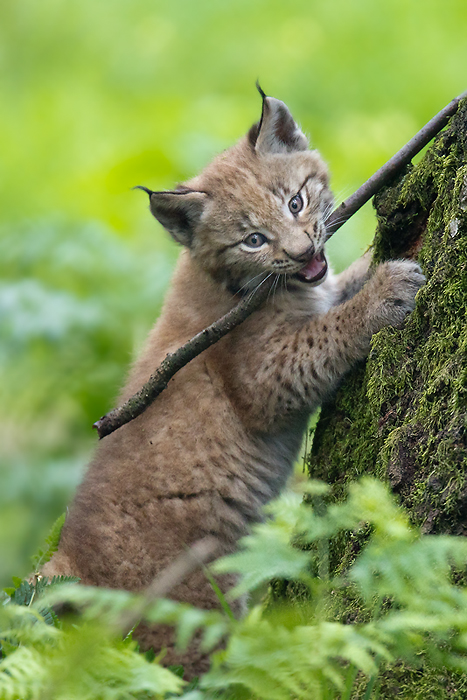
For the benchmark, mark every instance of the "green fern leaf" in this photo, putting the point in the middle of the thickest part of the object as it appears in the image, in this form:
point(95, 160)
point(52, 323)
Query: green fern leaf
point(24, 593)
point(52, 542)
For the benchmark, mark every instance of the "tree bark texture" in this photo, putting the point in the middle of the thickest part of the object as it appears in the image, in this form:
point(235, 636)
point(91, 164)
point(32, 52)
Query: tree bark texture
point(402, 415)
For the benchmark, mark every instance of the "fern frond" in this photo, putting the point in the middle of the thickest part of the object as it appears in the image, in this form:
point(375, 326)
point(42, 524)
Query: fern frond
point(23, 594)
point(52, 542)
point(24, 625)
point(294, 652)
point(22, 675)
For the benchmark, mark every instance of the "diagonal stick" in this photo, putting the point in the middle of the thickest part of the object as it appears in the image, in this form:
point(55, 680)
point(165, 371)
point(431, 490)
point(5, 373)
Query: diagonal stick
point(382, 176)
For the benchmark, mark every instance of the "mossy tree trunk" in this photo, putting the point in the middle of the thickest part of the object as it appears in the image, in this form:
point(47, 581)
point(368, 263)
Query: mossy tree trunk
point(402, 415)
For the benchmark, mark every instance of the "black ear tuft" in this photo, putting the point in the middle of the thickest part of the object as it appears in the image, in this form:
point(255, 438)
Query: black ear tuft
point(179, 211)
point(145, 189)
point(260, 90)
point(256, 128)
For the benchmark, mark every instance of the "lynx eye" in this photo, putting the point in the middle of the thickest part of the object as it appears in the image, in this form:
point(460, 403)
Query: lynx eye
point(296, 204)
point(255, 240)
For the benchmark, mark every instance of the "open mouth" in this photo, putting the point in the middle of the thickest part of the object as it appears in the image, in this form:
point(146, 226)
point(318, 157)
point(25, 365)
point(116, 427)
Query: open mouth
point(314, 271)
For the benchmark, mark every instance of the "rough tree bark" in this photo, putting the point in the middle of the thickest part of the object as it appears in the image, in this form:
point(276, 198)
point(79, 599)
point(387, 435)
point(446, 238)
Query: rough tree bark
point(402, 415)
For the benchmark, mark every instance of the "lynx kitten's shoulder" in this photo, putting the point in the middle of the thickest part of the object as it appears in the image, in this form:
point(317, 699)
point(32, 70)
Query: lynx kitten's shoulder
point(222, 439)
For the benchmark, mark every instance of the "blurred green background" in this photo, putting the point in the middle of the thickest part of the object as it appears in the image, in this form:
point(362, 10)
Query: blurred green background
point(96, 97)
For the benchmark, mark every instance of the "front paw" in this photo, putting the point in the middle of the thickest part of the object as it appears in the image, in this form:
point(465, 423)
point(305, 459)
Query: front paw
point(395, 286)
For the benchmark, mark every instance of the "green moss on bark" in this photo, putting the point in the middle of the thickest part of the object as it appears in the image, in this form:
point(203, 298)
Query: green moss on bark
point(402, 415)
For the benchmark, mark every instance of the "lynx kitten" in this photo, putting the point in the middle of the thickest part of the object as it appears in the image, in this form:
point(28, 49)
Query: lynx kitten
point(221, 440)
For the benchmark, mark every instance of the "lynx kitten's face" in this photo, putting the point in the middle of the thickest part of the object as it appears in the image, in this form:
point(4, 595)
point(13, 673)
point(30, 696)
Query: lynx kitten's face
point(258, 209)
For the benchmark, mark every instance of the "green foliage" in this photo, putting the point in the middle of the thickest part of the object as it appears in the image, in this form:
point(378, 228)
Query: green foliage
point(401, 583)
point(410, 612)
point(52, 542)
point(85, 662)
point(26, 591)
point(45, 658)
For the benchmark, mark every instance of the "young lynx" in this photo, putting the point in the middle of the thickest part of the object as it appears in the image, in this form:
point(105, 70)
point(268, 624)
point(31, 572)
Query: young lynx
point(221, 440)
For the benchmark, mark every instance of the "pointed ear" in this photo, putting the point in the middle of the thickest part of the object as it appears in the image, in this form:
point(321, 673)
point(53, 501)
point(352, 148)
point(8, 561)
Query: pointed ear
point(277, 131)
point(179, 212)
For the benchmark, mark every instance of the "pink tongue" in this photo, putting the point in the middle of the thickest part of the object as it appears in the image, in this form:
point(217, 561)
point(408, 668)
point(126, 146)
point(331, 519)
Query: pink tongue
point(313, 268)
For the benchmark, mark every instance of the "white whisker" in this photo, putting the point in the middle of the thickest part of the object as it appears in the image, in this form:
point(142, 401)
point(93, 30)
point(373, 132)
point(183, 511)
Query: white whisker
point(252, 280)
point(271, 291)
point(260, 284)
point(327, 212)
point(340, 220)
point(342, 194)
point(274, 286)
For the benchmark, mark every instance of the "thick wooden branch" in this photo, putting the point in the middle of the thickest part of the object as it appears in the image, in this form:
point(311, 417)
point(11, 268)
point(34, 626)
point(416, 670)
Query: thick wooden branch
point(138, 403)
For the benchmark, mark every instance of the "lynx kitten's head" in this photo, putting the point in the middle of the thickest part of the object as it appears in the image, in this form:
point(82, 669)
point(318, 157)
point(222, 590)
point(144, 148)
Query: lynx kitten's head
point(258, 209)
